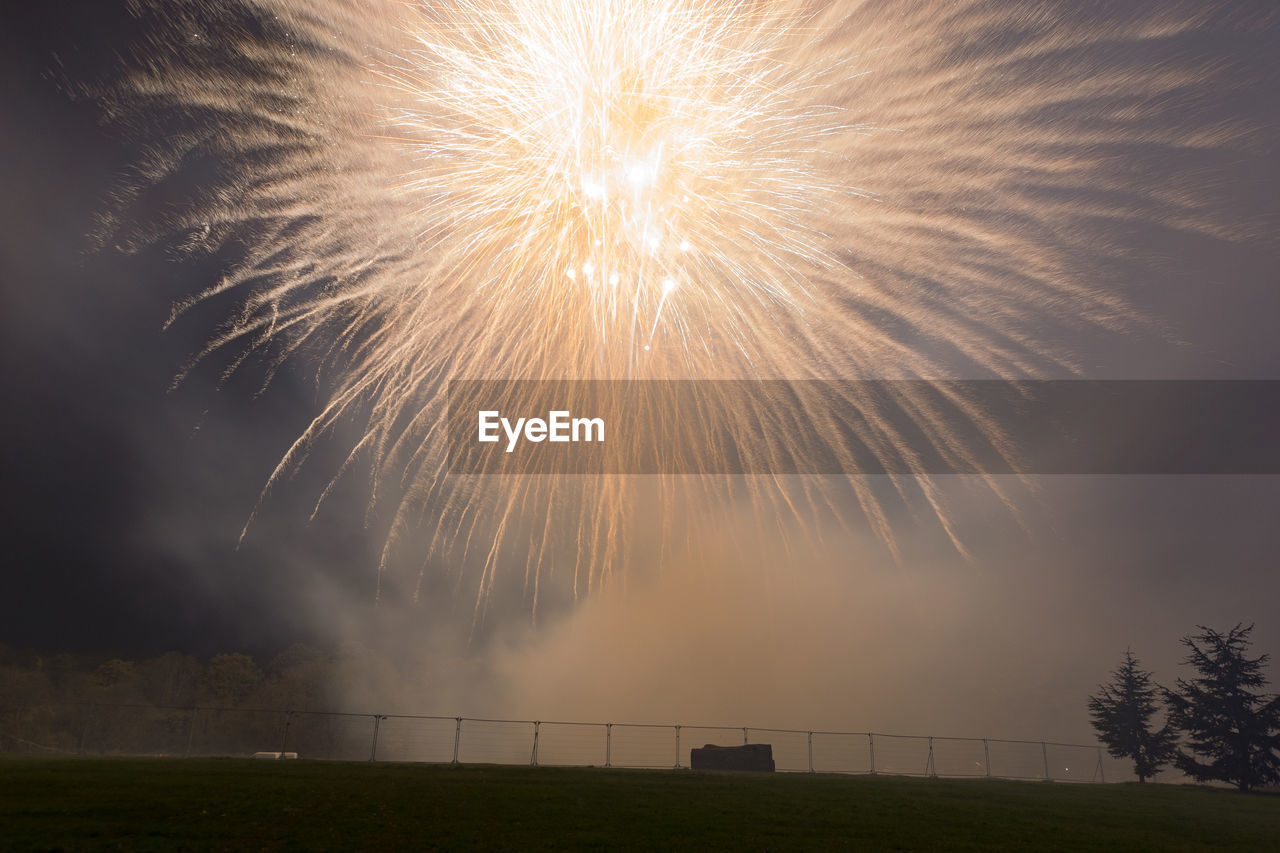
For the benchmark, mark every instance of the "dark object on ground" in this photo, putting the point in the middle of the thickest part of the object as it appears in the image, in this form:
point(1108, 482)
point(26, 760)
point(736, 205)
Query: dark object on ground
point(749, 756)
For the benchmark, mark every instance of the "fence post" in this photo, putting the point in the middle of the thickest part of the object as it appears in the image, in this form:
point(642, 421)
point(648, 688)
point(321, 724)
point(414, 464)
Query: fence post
point(284, 739)
point(457, 738)
point(1044, 752)
point(1102, 774)
point(88, 715)
point(930, 769)
point(744, 735)
point(810, 752)
point(871, 750)
point(377, 722)
point(986, 756)
point(608, 744)
point(533, 759)
point(191, 730)
point(677, 747)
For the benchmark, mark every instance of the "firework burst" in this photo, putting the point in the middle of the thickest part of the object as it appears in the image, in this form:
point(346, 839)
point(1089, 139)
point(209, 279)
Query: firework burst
point(615, 171)
point(604, 189)
point(408, 193)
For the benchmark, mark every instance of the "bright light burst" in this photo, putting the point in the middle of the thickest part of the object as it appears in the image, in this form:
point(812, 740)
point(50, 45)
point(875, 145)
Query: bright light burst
point(586, 189)
point(623, 168)
point(604, 189)
point(402, 194)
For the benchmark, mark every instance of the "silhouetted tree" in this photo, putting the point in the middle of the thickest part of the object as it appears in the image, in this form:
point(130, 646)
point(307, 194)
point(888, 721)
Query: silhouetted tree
point(230, 678)
point(171, 679)
point(116, 672)
point(1228, 722)
point(298, 679)
point(1122, 712)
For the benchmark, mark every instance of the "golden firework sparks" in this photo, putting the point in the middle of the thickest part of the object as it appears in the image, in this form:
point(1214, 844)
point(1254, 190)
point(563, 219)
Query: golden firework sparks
point(577, 189)
point(629, 167)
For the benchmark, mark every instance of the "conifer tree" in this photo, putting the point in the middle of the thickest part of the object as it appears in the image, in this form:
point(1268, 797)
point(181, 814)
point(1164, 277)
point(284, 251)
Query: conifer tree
point(1231, 726)
point(1122, 712)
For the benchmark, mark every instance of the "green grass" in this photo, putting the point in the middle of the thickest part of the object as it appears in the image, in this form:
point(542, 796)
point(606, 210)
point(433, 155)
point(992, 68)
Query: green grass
point(236, 804)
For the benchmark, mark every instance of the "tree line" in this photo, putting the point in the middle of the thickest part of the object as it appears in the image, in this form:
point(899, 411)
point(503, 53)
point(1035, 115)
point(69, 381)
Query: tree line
point(45, 698)
point(1218, 726)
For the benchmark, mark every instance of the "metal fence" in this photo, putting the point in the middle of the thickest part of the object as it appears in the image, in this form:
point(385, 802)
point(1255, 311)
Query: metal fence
point(100, 729)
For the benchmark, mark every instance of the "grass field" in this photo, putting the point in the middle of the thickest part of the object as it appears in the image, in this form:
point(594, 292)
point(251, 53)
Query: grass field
point(237, 804)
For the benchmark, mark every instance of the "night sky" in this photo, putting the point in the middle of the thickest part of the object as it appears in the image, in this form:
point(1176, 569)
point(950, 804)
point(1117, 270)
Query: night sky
point(103, 464)
point(123, 498)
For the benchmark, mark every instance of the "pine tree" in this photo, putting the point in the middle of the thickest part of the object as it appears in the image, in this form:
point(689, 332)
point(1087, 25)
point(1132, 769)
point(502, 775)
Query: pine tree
point(1122, 712)
point(1228, 721)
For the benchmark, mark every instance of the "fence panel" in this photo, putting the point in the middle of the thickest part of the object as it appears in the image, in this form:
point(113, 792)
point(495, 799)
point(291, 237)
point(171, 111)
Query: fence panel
point(43, 729)
point(790, 749)
point(954, 756)
point(426, 739)
point(1072, 763)
point(1015, 759)
point(642, 746)
point(840, 752)
point(572, 744)
point(496, 742)
point(135, 730)
point(236, 731)
point(337, 737)
point(902, 755)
